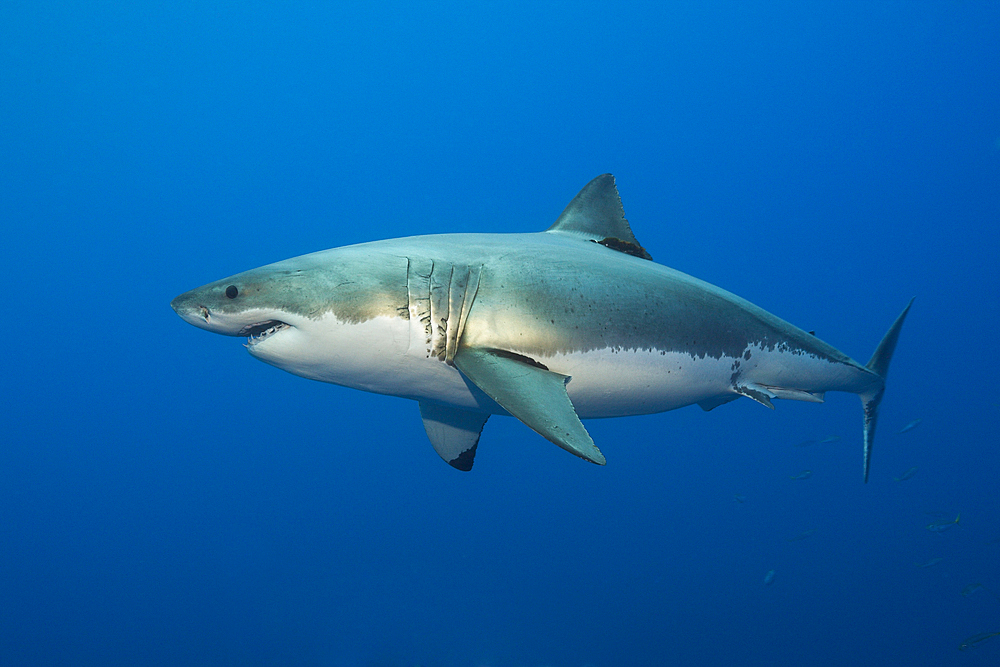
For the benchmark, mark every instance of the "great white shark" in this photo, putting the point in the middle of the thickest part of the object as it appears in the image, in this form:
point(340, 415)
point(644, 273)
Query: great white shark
point(575, 322)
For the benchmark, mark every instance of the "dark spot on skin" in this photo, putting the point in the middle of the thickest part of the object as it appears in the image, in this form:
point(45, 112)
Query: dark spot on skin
point(626, 247)
point(519, 357)
point(746, 355)
point(232, 292)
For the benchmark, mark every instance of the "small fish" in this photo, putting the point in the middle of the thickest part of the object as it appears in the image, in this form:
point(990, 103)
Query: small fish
point(739, 498)
point(943, 524)
point(830, 438)
point(805, 443)
point(907, 475)
point(931, 563)
point(801, 536)
point(970, 589)
point(769, 578)
point(912, 425)
point(805, 474)
point(975, 640)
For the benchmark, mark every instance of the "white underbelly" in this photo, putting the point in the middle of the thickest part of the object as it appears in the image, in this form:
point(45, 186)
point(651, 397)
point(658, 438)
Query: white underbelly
point(380, 355)
point(385, 355)
point(617, 383)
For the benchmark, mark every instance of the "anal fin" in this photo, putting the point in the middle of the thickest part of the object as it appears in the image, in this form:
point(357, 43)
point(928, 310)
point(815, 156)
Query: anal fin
point(453, 432)
point(533, 394)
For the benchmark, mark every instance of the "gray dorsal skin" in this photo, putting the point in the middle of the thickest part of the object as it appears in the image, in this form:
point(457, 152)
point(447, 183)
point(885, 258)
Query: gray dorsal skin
point(553, 327)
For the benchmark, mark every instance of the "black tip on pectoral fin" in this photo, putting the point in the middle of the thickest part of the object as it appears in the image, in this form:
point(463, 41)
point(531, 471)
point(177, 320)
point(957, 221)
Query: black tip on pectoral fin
point(453, 432)
point(464, 460)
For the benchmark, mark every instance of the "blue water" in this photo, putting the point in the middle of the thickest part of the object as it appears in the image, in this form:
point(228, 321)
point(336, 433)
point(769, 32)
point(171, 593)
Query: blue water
point(167, 500)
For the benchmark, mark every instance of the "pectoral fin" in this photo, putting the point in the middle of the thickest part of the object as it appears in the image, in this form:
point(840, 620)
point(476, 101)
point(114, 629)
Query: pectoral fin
point(453, 432)
point(533, 394)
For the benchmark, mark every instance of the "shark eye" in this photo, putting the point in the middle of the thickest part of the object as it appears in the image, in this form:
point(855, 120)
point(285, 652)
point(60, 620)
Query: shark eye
point(232, 292)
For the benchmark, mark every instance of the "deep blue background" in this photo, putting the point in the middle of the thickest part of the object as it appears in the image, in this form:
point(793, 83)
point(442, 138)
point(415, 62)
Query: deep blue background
point(166, 500)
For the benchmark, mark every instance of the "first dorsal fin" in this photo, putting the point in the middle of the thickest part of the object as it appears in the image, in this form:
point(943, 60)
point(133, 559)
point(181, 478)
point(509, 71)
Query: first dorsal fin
point(596, 214)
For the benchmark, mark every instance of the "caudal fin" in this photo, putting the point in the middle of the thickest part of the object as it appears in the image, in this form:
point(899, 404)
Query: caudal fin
point(879, 364)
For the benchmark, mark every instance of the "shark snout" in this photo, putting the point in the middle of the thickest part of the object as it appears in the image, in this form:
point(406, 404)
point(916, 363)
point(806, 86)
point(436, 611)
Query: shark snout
point(252, 323)
point(191, 311)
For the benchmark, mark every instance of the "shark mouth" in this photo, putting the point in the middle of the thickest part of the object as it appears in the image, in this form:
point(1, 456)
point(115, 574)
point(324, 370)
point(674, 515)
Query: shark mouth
point(258, 331)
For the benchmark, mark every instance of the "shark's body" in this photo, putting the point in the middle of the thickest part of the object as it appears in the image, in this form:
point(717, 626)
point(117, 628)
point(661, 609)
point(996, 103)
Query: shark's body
point(574, 322)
